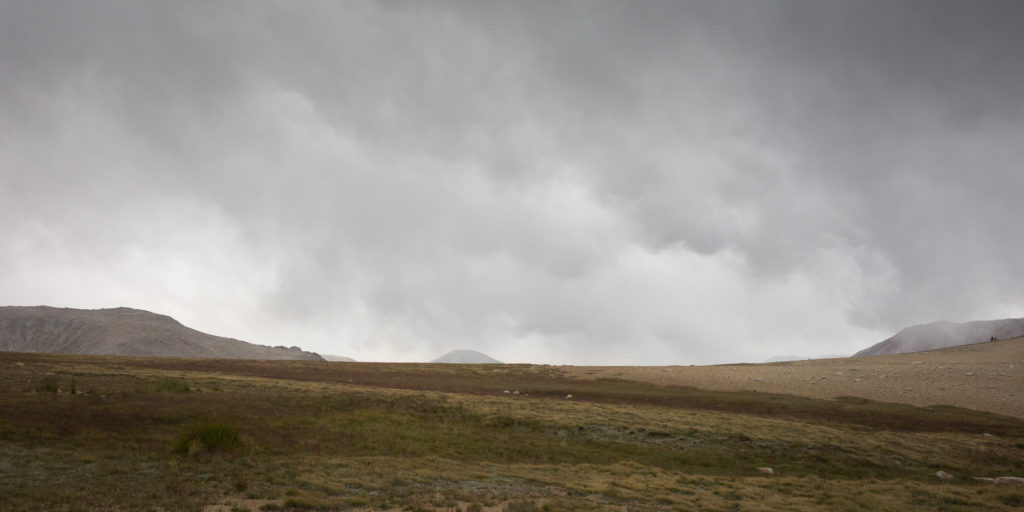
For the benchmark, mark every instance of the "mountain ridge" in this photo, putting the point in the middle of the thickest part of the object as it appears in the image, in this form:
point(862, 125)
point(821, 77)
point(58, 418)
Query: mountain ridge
point(123, 331)
point(944, 334)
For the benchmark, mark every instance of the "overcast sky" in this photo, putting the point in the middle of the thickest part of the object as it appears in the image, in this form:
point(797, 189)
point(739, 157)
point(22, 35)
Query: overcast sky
point(553, 182)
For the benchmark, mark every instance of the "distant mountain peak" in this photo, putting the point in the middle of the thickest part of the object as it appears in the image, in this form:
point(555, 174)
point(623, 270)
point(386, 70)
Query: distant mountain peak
point(466, 356)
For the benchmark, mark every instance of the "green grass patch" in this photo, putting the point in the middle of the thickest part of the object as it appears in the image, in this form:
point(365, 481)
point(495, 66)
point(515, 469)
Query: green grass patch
point(209, 437)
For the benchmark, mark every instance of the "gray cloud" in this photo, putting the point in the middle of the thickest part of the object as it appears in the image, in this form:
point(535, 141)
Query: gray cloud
point(554, 182)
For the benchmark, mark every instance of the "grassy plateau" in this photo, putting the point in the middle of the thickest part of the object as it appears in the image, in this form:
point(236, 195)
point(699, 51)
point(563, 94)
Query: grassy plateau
point(89, 433)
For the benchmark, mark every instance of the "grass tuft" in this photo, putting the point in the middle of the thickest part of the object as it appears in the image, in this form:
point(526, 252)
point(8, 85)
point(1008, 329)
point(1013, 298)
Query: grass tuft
point(209, 437)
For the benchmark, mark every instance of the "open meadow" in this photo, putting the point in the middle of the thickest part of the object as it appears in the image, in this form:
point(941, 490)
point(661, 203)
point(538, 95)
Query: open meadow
point(85, 433)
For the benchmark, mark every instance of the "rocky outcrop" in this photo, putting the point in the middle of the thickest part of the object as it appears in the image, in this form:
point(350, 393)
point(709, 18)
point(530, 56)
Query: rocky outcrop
point(122, 331)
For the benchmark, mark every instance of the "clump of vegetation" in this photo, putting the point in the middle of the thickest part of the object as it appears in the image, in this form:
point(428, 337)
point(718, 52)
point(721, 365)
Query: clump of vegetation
point(209, 437)
point(172, 386)
point(1013, 500)
point(523, 506)
point(50, 385)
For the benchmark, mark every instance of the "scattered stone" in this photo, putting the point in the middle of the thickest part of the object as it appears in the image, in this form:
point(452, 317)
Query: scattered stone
point(839, 373)
point(986, 434)
point(568, 396)
point(917, 362)
point(19, 363)
point(1010, 480)
point(766, 471)
point(506, 391)
point(759, 379)
point(943, 475)
point(856, 380)
point(985, 480)
point(516, 392)
point(968, 374)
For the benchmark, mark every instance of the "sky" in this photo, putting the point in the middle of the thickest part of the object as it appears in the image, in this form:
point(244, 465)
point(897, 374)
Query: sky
point(595, 182)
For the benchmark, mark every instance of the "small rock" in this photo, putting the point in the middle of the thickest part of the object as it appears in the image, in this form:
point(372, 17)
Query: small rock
point(759, 379)
point(968, 374)
point(1010, 480)
point(766, 471)
point(943, 475)
point(917, 362)
point(984, 480)
point(986, 434)
point(19, 363)
point(516, 392)
point(506, 391)
point(568, 396)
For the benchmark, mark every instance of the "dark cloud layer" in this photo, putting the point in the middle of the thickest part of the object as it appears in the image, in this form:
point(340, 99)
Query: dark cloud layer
point(582, 182)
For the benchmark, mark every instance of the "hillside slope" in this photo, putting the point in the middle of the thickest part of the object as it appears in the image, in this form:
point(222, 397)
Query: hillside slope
point(122, 331)
point(945, 334)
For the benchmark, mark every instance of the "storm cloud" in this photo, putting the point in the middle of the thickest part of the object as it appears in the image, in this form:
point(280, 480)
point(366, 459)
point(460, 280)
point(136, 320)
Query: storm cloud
point(551, 182)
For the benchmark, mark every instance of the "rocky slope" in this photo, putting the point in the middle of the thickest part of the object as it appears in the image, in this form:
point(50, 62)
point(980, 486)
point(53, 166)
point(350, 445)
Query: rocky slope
point(466, 357)
point(945, 334)
point(122, 331)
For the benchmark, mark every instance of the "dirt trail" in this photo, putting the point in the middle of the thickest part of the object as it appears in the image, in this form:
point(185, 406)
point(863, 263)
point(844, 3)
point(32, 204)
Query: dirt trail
point(986, 376)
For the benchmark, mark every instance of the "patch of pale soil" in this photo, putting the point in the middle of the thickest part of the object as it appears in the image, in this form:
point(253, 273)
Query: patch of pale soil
point(985, 376)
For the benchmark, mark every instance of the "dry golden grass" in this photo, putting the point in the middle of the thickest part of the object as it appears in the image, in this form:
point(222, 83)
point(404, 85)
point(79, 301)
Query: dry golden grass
point(986, 377)
point(107, 433)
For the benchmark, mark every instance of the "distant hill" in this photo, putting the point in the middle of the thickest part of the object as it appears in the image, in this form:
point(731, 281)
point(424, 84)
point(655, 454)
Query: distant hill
point(343, 359)
point(783, 359)
point(122, 331)
point(945, 334)
point(466, 357)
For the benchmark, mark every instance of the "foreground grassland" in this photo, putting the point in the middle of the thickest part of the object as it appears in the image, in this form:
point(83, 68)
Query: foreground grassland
point(111, 433)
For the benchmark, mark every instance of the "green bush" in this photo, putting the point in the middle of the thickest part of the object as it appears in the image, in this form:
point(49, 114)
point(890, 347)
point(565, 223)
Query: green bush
point(211, 437)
